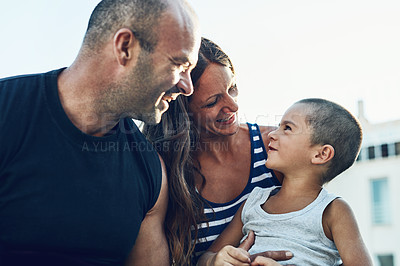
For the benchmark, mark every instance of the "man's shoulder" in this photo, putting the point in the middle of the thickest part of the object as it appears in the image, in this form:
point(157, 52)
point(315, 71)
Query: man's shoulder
point(30, 76)
point(22, 85)
point(19, 93)
point(18, 79)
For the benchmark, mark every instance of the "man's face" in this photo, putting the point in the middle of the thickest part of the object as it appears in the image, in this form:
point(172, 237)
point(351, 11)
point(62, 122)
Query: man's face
point(164, 74)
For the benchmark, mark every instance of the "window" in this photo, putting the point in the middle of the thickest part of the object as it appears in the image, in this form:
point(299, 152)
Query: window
point(380, 201)
point(359, 157)
point(371, 152)
point(397, 148)
point(384, 150)
point(385, 260)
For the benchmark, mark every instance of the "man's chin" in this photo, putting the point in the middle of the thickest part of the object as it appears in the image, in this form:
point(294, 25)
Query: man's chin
point(152, 118)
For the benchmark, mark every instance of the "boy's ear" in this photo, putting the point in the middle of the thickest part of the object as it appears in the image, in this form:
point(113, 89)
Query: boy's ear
point(323, 154)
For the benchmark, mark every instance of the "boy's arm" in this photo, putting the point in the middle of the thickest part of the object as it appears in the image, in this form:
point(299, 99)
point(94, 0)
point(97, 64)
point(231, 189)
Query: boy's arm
point(223, 251)
point(340, 225)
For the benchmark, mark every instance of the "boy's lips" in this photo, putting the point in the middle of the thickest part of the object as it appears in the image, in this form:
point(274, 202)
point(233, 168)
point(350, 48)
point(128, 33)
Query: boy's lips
point(271, 148)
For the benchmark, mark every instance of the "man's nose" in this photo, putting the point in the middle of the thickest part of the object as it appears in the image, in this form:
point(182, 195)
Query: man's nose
point(185, 84)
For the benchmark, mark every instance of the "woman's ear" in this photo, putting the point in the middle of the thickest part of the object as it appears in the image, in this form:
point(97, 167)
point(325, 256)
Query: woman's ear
point(323, 154)
point(124, 43)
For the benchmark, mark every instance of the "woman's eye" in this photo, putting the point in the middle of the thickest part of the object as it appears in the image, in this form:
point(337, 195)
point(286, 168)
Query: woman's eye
point(209, 105)
point(233, 91)
point(286, 127)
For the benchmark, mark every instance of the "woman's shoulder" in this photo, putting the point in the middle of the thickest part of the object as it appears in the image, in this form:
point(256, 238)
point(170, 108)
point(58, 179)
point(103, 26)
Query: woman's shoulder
point(265, 130)
point(244, 128)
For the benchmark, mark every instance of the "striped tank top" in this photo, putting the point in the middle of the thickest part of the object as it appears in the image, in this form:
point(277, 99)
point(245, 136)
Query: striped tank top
point(220, 214)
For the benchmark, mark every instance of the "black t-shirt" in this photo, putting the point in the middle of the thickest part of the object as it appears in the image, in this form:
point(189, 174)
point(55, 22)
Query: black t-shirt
point(63, 192)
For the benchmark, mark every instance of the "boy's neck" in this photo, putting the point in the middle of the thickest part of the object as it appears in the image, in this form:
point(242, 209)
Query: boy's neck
point(294, 195)
point(299, 187)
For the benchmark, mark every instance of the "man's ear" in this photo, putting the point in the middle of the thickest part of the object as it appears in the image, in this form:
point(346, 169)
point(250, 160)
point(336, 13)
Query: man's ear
point(323, 154)
point(124, 43)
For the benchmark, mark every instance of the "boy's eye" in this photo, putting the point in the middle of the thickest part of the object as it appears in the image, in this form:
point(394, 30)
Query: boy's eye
point(286, 127)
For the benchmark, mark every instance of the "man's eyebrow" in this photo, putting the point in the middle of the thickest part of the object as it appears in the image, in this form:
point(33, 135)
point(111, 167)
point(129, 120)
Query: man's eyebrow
point(182, 59)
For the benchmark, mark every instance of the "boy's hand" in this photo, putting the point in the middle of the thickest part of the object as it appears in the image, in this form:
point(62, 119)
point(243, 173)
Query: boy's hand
point(229, 255)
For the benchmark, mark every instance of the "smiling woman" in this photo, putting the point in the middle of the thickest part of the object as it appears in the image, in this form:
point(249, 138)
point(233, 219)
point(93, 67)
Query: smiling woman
point(214, 106)
point(212, 160)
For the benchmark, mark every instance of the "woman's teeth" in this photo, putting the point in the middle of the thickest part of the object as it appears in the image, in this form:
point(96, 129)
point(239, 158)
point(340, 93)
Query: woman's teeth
point(224, 120)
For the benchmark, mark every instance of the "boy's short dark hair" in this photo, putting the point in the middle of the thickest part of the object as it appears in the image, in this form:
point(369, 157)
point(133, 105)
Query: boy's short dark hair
point(334, 125)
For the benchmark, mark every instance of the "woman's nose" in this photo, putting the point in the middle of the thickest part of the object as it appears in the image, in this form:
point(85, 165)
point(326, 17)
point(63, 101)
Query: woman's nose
point(231, 104)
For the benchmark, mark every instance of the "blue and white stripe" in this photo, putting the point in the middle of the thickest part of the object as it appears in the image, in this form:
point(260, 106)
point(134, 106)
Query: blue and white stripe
point(219, 215)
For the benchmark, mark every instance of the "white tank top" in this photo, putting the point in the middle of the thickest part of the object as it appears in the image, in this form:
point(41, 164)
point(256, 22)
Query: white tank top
point(300, 232)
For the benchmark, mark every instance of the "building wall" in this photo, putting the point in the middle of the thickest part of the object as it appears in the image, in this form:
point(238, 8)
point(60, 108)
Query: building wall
point(355, 186)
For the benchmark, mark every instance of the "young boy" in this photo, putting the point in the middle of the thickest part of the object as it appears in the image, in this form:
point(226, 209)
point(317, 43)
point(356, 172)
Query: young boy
point(316, 141)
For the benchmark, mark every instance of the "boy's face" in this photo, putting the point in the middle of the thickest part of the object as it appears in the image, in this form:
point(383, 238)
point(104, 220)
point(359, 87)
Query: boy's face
point(290, 148)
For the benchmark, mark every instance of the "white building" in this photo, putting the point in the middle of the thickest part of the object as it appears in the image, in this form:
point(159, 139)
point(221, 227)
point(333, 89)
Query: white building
point(372, 188)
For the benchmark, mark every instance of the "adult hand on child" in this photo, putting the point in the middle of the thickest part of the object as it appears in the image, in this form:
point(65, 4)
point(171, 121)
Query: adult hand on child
point(229, 255)
point(264, 261)
point(266, 258)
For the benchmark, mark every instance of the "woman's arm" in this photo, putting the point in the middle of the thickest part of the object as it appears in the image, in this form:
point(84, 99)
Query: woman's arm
point(223, 250)
point(340, 226)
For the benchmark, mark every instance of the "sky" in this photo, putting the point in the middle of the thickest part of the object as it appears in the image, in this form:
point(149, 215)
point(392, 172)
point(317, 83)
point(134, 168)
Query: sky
point(282, 51)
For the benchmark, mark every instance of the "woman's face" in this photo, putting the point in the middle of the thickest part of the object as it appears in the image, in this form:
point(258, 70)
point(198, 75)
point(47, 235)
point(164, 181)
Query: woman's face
point(214, 102)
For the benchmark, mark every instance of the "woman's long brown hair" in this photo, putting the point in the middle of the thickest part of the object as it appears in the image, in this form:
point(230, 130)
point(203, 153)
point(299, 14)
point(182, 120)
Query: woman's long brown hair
point(176, 138)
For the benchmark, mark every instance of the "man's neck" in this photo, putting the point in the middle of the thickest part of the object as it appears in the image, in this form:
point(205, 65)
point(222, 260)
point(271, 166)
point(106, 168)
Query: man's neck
point(79, 99)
